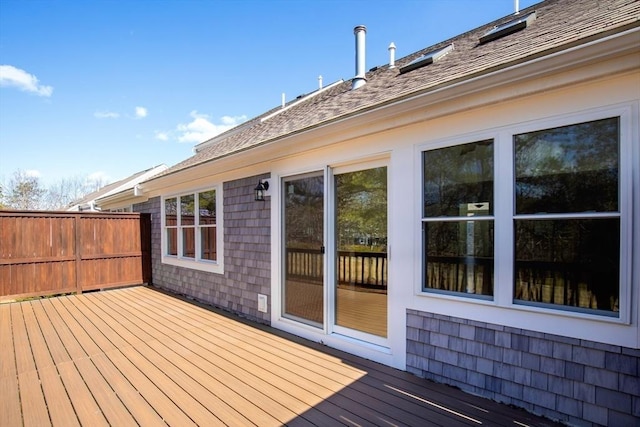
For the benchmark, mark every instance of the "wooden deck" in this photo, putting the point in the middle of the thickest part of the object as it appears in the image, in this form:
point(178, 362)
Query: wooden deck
point(137, 356)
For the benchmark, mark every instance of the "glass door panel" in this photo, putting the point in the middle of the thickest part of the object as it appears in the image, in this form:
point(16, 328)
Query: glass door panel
point(303, 199)
point(361, 265)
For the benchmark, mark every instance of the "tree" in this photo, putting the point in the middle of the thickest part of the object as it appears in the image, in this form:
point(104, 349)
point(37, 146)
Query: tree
point(65, 191)
point(24, 192)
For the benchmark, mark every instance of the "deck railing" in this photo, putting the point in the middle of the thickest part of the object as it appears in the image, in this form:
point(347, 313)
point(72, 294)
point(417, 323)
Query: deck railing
point(359, 269)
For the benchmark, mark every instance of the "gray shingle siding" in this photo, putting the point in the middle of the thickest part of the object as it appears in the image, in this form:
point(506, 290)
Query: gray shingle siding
point(247, 255)
point(575, 381)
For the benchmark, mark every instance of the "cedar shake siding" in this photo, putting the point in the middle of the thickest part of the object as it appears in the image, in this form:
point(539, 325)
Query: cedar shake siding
point(575, 381)
point(247, 249)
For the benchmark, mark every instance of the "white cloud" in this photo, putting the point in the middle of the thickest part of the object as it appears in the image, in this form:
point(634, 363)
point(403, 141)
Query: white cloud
point(106, 115)
point(141, 112)
point(162, 136)
point(201, 128)
point(11, 76)
point(33, 173)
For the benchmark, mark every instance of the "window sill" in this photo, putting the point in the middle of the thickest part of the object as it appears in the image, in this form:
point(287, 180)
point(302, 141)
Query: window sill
point(208, 266)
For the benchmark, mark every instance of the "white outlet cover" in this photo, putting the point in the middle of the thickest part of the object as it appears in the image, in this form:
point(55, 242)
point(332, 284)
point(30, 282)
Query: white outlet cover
point(262, 303)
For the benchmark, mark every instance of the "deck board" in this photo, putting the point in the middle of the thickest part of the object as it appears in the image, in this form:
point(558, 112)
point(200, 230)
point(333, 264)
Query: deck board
point(60, 407)
point(10, 408)
point(56, 347)
point(34, 407)
point(137, 356)
point(7, 355)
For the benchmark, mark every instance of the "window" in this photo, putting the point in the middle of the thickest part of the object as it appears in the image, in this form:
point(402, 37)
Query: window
point(560, 219)
point(191, 228)
point(457, 220)
point(567, 216)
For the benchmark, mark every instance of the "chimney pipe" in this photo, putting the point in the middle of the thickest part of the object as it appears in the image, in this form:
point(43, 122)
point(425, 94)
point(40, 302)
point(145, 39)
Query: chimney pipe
point(360, 80)
point(392, 55)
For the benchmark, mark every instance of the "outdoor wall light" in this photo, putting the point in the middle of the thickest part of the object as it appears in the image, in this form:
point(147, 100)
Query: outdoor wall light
point(261, 190)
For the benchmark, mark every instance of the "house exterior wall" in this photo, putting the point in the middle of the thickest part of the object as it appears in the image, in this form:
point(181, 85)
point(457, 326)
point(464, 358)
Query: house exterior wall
point(573, 380)
point(247, 270)
point(577, 367)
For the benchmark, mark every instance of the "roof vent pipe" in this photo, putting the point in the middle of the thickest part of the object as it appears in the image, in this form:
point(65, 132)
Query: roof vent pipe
point(359, 79)
point(392, 55)
point(319, 82)
point(283, 100)
point(516, 6)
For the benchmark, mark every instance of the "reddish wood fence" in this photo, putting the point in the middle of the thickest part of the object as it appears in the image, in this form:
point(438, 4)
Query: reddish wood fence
point(46, 253)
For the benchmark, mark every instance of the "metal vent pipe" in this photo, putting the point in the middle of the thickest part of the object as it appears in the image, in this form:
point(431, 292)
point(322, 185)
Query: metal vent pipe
point(392, 55)
point(360, 80)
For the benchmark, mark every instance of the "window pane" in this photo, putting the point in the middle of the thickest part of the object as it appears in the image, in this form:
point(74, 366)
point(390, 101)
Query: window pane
point(186, 209)
point(208, 241)
point(574, 262)
point(457, 177)
point(189, 242)
point(568, 169)
point(459, 256)
point(170, 210)
point(207, 206)
point(172, 241)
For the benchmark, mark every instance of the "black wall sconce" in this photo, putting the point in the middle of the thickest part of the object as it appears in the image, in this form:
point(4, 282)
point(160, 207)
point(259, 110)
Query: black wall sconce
point(261, 190)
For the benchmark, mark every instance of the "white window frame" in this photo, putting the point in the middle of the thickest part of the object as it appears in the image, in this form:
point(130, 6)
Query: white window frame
point(504, 210)
point(196, 262)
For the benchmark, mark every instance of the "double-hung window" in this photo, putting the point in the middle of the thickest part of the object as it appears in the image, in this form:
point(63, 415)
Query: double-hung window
point(458, 225)
point(191, 236)
point(554, 207)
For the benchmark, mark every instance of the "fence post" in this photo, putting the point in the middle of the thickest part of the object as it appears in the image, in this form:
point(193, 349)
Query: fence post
point(78, 253)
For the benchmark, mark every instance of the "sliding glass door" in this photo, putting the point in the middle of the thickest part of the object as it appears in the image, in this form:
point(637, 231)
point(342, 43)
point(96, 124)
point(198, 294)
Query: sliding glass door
point(337, 279)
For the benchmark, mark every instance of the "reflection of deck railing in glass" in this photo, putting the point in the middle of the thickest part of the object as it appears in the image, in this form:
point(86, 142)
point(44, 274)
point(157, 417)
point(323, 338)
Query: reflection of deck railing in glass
point(567, 283)
point(560, 283)
point(359, 269)
point(460, 274)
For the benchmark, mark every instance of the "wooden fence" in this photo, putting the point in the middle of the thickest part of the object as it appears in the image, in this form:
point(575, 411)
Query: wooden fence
point(359, 269)
point(48, 253)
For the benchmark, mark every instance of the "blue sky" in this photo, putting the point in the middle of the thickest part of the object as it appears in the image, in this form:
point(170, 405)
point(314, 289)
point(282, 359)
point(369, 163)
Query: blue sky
point(109, 88)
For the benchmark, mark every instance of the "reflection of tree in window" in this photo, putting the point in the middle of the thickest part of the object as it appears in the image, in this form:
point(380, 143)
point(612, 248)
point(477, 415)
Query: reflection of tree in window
point(568, 261)
point(361, 205)
point(458, 185)
point(557, 170)
point(304, 209)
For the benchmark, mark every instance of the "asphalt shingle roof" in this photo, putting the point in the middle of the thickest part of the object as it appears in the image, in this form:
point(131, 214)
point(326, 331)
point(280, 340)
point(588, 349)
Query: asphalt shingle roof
point(559, 24)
